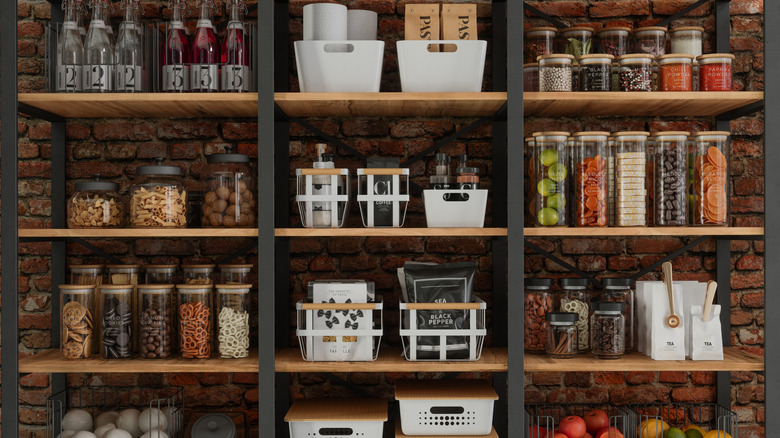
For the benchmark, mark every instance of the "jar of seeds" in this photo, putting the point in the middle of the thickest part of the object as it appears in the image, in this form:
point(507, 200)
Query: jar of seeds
point(607, 330)
point(636, 72)
point(555, 72)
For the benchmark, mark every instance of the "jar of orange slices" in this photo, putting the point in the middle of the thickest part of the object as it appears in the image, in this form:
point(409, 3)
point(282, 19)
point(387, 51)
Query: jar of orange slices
point(590, 179)
point(710, 177)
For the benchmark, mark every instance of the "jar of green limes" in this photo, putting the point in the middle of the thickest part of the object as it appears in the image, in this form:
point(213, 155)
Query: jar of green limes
point(550, 178)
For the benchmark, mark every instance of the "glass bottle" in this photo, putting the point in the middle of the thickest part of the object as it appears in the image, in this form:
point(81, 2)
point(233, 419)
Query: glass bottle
point(81, 13)
point(675, 72)
point(115, 304)
point(561, 335)
point(607, 328)
point(106, 17)
point(155, 321)
point(574, 298)
point(76, 330)
point(233, 320)
point(98, 52)
point(204, 52)
point(176, 54)
point(530, 77)
point(129, 51)
point(235, 52)
point(70, 52)
point(636, 72)
point(195, 318)
point(538, 303)
point(589, 164)
point(550, 158)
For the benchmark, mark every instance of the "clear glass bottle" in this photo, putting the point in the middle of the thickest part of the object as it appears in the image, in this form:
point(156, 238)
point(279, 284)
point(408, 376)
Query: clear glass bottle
point(577, 41)
point(675, 72)
point(235, 52)
point(235, 274)
point(555, 72)
point(198, 274)
point(531, 77)
point(709, 171)
point(631, 190)
point(204, 52)
point(650, 40)
point(561, 335)
point(230, 198)
point(715, 72)
point(86, 274)
point(233, 320)
point(687, 39)
point(156, 328)
point(76, 330)
point(70, 51)
point(539, 41)
point(195, 318)
point(81, 14)
point(595, 72)
point(589, 163)
point(538, 303)
point(614, 40)
point(551, 159)
point(607, 330)
point(129, 50)
point(98, 52)
point(618, 290)
point(96, 204)
point(160, 274)
point(671, 178)
point(158, 197)
point(176, 54)
point(575, 297)
point(124, 274)
point(117, 337)
point(636, 72)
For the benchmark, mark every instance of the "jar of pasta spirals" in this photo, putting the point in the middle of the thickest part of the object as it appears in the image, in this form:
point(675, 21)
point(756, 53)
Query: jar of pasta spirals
point(159, 197)
point(233, 320)
point(575, 298)
point(195, 320)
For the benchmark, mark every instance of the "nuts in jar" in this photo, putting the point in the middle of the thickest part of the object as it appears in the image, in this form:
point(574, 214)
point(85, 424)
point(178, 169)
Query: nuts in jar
point(538, 302)
point(229, 200)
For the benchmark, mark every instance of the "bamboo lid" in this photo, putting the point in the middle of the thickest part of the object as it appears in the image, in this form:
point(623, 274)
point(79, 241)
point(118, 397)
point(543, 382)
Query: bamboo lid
point(686, 28)
point(577, 29)
point(614, 28)
point(542, 29)
point(329, 409)
point(444, 389)
point(671, 133)
point(649, 29)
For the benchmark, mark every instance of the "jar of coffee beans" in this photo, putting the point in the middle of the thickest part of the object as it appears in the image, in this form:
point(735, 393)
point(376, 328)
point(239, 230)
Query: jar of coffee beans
point(538, 302)
point(555, 72)
point(618, 290)
point(155, 321)
point(230, 196)
point(607, 330)
point(671, 178)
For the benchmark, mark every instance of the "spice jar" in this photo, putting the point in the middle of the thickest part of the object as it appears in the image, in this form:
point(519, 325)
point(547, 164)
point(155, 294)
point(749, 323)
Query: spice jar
point(636, 72)
point(155, 321)
point(618, 290)
point(86, 274)
point(77, 307)
point(235, 274)
point(555, 72)
point(96, 204)
point(577, 41)
point(614, 40)
point(116, 321)
point(650, 40)
point(631, 178)
point(715, 71)
point(589, 159)
point(575, 298)
point(550, 158)
point(195, 318)
point(687, 39)
point(123, 274)
point(595, 72)
point(538, 303)
point(230, 197)
point(198, 274)
point(159, 197)
point(539, 41)
point(468, 178)
point(675, 72)
point(575, 77)
point(233, 320)
point(671, 178)
point(531, 77)
point(710, 177)
point(160, 274)
point(607, 330)
point(561, 335)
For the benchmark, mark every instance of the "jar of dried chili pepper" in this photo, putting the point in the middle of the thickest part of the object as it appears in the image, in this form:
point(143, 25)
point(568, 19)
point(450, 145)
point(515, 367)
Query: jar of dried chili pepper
point(589, 164)
point(539, 41)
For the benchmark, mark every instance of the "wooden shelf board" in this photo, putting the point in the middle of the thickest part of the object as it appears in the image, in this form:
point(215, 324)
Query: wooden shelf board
point(643, 231)
point(139, 232)
point(617, 103)
point(51, 361)
point(166, 105)
point(289, 360)
point(390, 104)
point(733, 360)
point(390, 232)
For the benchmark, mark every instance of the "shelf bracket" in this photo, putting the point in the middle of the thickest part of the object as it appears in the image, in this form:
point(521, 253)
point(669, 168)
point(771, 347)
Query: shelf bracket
point(38, 113)
point(329, 138)
point(669, 257)
point(543, 16)
point(96, 250)
point(563, 264)
point(743, 111)
point(682, 13)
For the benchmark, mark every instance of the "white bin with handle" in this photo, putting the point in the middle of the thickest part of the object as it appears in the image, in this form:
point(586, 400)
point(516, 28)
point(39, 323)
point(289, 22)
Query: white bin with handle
point(455, 208)
point(339, 66)
point(426, 71)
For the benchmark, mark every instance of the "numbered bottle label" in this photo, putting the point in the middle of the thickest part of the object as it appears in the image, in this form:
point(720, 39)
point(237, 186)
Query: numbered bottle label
point(98, 77)
point(204, 77)
point(176, 77)
point(235, 78)
point(70, 78)
point(128, 77)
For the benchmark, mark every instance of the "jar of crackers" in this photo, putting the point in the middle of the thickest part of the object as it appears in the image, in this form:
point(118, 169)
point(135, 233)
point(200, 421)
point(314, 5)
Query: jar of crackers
point(195, 317)
point(235, 274)
point(159, 197)
point(96, 204)
point(709, 175)
point(230, 193)
point(198, 274)
point(233, 320)
point(631, 182)
point(77, 324)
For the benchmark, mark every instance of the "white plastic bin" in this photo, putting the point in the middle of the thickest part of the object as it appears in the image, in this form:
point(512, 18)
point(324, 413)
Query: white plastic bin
point(350, 342)
point(340, 418)
point(325, 66)
point(474, 334)
point(455, 208)
point(399, 433)
point(425, 71)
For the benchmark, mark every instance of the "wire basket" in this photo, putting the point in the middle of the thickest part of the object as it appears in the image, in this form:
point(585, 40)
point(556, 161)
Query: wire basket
point(383, 195)
point(333, 331)
point(546, 417)
point(449, 344)
point(319, 204)
point(707, 416)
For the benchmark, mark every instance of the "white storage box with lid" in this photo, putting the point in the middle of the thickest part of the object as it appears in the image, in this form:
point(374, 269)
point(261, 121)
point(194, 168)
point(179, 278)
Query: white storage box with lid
point(320, 206)
point(351, 312)
point(400, 434)
point(473, 334)
point(426, 71)
point(380, 191)
point(455, 208)
point(339, 66)
point(337, 418)
point(445, 407)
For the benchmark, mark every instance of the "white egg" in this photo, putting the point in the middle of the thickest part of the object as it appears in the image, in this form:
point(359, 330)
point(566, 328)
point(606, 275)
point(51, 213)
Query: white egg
point(106, 418)
point(67, 434)
point(155, 434)
point(152, 419)
point(117, 433)
point(128, 421)
point(84, 434)
point(77, 419)
point(175, 419)
point(101, 430)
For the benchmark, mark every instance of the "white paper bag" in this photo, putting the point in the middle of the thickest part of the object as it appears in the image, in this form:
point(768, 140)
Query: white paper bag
point(641, 325)
point(666, 343)
point(693, 294)
point(706, 339)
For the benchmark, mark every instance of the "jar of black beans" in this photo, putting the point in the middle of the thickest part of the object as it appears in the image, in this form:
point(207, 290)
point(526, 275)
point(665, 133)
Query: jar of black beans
point(595, 72)
point(636, 72)
point(671, 176)
point(555, 72)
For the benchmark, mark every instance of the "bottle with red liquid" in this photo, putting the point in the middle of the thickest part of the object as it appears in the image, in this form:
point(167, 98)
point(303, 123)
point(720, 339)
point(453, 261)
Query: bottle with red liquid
point(176, 54)
point(236, 75)
point(204, 51)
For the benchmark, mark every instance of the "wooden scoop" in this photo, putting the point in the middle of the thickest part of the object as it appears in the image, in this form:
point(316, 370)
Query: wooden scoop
point(708, 298)
point(673, 320)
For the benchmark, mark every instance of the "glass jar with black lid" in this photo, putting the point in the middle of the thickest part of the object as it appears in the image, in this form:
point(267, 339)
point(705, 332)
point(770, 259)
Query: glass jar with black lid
point(575, 298)
point(562, 338)
point(608, 330)
point(158, 197)
point(96, 204)
point(538, 303)
point(230, 197)
point(618, 290)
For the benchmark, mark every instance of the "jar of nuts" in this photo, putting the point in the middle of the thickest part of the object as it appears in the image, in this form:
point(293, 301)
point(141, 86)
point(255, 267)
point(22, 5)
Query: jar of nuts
point(538, 303)
point(229, 199)
point(96, 204)
point(159, 197)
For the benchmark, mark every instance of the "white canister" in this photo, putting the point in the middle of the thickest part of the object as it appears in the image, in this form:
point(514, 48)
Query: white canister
point(361, 24)
point(324, 22)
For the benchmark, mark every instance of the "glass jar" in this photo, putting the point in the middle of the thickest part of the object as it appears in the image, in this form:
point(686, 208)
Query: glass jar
point(575, 298)
point(577, 41)
point(539, 41)
point(710, 177)
point(614, 40)
point(538, 303)
point(160, 274)
point(675, 72)
point(550, 158)
point(198, 274)
point(116, 323)
point(528, 176)
point(631, 178)
point(86, 274)
point(589, 161)
point(195, 319)
point(124, 274)
point(96, 204)
point(467, 178)
point(233, 320)
point(607, 328)
point(650, 40)
point(77, 307)
point(156, 328)
point(531, 77)
point(575, 77)
point(159, 197)
point(671, 178)
point(235, 274)
point(595, 72)
point(636, 72)
point(555, 72)
point(561, 335)
point(618, 290)
point(650, 199)
point(715, 71)
point(611, 181)
point(687, 39)
point(230, 197)
point(615, 86)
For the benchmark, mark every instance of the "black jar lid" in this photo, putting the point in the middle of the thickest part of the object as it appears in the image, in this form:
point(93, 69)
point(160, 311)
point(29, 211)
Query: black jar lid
point(159, 169)
point(214, 425)
point(573, 283)
point(467, 170)
point(539, 282)
point(227, 157)
point(565, 317)
point(607, 306)
point(97, 185)
point(616, 283)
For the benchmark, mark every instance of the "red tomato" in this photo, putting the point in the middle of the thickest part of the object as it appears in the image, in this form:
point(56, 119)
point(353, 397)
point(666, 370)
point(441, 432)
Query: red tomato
point(596, 420)
point(537, 432)
point(608, 432)
point(572, 426)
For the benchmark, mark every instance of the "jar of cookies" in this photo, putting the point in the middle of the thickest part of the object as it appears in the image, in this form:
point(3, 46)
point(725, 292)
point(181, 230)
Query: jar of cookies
point(77, 324)
point(159, 197)
point(155, 321)
point(235, 274)
point(161, 274)
point(233, 320)
point(115, 303)
point(230, 194)
point(124, 274)
point(195, 319)
point(198, 274)
point(96, 204)
point(86, 274)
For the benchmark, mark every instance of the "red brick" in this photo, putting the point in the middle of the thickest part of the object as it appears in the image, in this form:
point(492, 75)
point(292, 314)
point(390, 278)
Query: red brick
point(365, 127)
point(34, 321)
point(84, 170)
point(578, 379)
point(750, 262)
point(42, 11)
point(750, 393)
point(23, 9)
point(245, 378)
point(187, 129)
point(305, 245)
point(589, 395)
point(672, 377)
point(221, 246)
point(378, 6)
point(344, 246)
point(323, 263)
point(552, 266)
point(29, 29)
point(28, 150)
point(608, 378)
point(39, 207)
point(746, 7)
point(184, 151)
point(34, 266)
point(212, 379)
point(25, 49)
point(124, 151)
point(454, 245)
point(619, 8)
point(591, 263)
point(326, 126)
point(741, 317)
point(749, 186)
point(394, 245)
point(217, 396)
point(671, 7)
point(703, 378)
point(75, 131)
point(639, 377)
point(658, 245)
point(697, 394)
point(747, 126)
point(85, 151)
point(622, 263)
point(43, 283)
point(37, 340)
point(32, 415)
point(34, 380)
point(747, 280)
point(638, 394)
point(239, 130)
point(412, 129)
point(164, 247)
point(560, 9)
point(122, 131)
point(751, 336)
point(591, 246)
point(752, 204)
point(362, 262)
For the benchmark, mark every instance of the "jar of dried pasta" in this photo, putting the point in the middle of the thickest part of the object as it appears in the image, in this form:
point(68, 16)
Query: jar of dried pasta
point(159, 197)
point(195, 318)
point(230, 196)
point(235, 274)
point(198, 274)
point(76, 329)
point(86, 274)
point(233, 320)
point(96, 204)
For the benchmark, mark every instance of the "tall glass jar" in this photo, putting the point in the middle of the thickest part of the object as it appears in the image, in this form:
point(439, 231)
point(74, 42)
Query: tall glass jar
point(607, 330)
point(235, 274)
point(577, 41)
point(96, 204)
point(614, 40)
point(589, 162)
point(708, 158)
point(539, 41)
point(195, 316)
point(636, 72)
point(715, 72)
point(198, 274)
point(76, 326)
point(124, 274)
point(531, 77)
point(538, 303)
point(528, 176)
point(117, 337)
point(595, 72)
point(551, 159)
point(618, 290)
point(159, 197)
point(233, 320)
point(561, 335)
point(575, 77)
point(650, 199)
point(675, 72)
point(161, 274)
point(611, 155)
point(575, 298)
point(230, 197)
point(650, 40)
point(156, 328)
point(86, 274)
point(671, 178)
point(687, 39)
point(631, 178)
point(555, 72)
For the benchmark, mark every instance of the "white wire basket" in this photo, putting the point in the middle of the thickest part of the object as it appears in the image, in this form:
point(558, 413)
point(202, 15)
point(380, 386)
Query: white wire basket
point(473, 335)
point(383, 196)
point(455, 208)
point(320, 206)
point(339, 332)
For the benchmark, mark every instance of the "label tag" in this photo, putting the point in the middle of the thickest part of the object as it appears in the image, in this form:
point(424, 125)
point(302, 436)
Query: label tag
point(176, 77)
point(204, 77)
point(70, 78)
point(235, 78)
point(129, 77)
point(98, 77)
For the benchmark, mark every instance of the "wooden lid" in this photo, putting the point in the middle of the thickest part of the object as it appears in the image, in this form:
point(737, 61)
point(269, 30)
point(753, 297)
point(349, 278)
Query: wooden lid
point(75, 267)
point(597, 56)
point(631, 133)
point(577, 29)
point(400, 434)
point(444, 389)
point(717, 55)
point(332, 409)
point(155, 287)
point(542, 29)
point(233, 288)
point(674, 56)
point(686, 28)
point(161, 266)
point(204, 266)
point(530, 64)
point(649, 29)
point(671, 133)
point(708, 133)
point(77, 288)
point(236, 266)
point(555, 56)
point(123, 266)
point(614, 28)
point(591, 134)
point(635, 56)
point(551, 134)
point(116, 287)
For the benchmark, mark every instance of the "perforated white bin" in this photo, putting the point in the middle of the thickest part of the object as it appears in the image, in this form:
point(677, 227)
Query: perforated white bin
point(340, 418)
point(325, 66)
point(455, 208)
point(426, 71)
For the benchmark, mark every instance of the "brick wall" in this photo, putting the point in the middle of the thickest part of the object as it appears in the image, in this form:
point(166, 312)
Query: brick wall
point(115, 147)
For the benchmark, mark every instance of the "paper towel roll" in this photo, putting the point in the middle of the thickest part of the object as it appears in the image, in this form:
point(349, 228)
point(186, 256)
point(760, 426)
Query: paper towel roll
point(361, 24)
point(324, 22)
